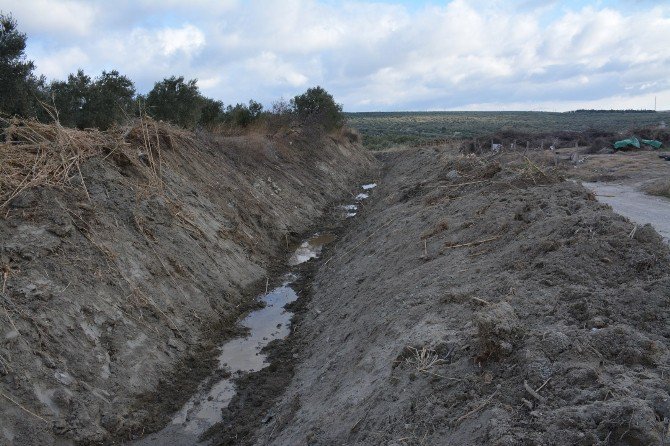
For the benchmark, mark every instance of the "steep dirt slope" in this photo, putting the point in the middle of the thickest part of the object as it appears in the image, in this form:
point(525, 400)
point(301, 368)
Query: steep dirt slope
point(478, 303)
point(114, 289)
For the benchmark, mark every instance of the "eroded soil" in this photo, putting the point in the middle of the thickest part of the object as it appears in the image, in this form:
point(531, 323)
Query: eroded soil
point(470, 300)
point(475, 300)
point(119, 285)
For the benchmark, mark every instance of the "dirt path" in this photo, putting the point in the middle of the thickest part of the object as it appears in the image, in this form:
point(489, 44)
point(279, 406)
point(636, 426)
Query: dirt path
point(470, 303)
point(635, 205)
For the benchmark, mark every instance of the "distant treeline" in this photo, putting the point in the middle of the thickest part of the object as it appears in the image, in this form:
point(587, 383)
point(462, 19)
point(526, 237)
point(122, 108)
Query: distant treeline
point(629, 110)
point(111, 98)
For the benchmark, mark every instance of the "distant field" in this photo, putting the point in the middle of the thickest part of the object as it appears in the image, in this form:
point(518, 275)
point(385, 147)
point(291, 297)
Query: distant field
point(381, 130)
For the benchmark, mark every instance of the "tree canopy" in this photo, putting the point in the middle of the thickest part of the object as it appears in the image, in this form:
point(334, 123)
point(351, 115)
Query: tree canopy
point(176, 101)
point(317, 105)
point(17, 82)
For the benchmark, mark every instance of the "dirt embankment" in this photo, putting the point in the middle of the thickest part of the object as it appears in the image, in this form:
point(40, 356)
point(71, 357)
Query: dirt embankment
point(116, 286)
point(478, 303)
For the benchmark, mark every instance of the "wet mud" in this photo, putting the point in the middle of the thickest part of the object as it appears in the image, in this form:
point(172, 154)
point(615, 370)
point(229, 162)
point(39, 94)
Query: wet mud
point(473, 301)
point(248, 353)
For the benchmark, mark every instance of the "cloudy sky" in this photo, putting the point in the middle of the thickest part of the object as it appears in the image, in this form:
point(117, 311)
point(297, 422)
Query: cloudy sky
point(372, 55)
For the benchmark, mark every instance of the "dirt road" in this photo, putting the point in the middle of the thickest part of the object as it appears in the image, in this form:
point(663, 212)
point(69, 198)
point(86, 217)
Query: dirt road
point(637, 206)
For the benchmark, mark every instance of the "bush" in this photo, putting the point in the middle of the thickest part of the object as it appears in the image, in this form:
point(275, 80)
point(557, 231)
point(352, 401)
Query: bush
point(316, 105)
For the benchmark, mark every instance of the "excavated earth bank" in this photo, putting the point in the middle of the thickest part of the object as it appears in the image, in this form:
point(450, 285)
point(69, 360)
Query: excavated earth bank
point(117, 291)
point(474, 301)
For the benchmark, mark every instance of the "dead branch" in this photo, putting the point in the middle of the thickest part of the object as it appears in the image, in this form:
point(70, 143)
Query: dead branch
point(477, 409)
point(475, 243)
point(23, 408)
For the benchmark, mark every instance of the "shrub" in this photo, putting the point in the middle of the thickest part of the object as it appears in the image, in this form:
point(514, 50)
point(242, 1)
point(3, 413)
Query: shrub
point(316, 105)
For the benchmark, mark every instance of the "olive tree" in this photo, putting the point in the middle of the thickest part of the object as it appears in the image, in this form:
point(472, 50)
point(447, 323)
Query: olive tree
point(176, 101)
point(19, 88)
point(316, 105)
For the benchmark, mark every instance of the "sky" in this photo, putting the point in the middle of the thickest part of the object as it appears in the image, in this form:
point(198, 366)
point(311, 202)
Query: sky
point(379, 55)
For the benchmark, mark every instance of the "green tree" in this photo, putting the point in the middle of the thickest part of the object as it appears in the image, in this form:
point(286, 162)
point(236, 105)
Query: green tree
point(255, 109)
point(110, 101)
point(211, 113)
point(176, 101)
point(18, 86)
point(316, 105)
point(243, 115)
point(70, 98)
point(238, 115)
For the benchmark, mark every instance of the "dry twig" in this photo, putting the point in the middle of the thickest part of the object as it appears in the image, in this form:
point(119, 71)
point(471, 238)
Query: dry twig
point(475, 243)
point(22, 407)
point(477, 409)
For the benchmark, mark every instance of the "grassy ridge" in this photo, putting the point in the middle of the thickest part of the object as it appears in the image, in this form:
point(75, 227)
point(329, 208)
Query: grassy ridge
point(382, 130)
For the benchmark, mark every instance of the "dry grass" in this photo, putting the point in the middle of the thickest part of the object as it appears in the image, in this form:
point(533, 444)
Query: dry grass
point(36, 154)
point(659, 187)
point(423, 360)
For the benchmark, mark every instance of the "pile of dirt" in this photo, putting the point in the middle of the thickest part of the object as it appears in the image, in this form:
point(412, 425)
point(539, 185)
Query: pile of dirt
point(481, 302)
point(128, 255)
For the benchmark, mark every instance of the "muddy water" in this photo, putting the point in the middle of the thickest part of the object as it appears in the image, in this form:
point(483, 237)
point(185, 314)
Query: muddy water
point(238, 356)
point(635, 205)
point(310, 249)
point(243, 355)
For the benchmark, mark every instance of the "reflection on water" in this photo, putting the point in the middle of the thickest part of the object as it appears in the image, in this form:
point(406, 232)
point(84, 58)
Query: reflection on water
point(310, 249)
point(240, 355)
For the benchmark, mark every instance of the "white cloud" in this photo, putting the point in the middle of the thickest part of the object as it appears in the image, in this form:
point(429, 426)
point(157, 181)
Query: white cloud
point(60, 17)
point(370, 55)
point(57, 65)
point(269, 68)
point(187, 40)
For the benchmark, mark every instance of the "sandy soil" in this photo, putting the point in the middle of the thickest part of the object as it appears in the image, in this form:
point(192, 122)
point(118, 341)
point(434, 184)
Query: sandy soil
point(113, 303)
point(473, 302)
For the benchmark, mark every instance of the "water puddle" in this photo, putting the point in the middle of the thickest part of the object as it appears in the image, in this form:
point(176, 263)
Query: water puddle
point(243, 355)
point(310, 249)
point(238, 356)
point(635, 205)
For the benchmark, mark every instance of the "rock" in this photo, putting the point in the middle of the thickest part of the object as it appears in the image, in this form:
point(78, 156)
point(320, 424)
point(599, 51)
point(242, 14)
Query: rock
point(63, 378)
point(453, 175)
point(599, 322)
